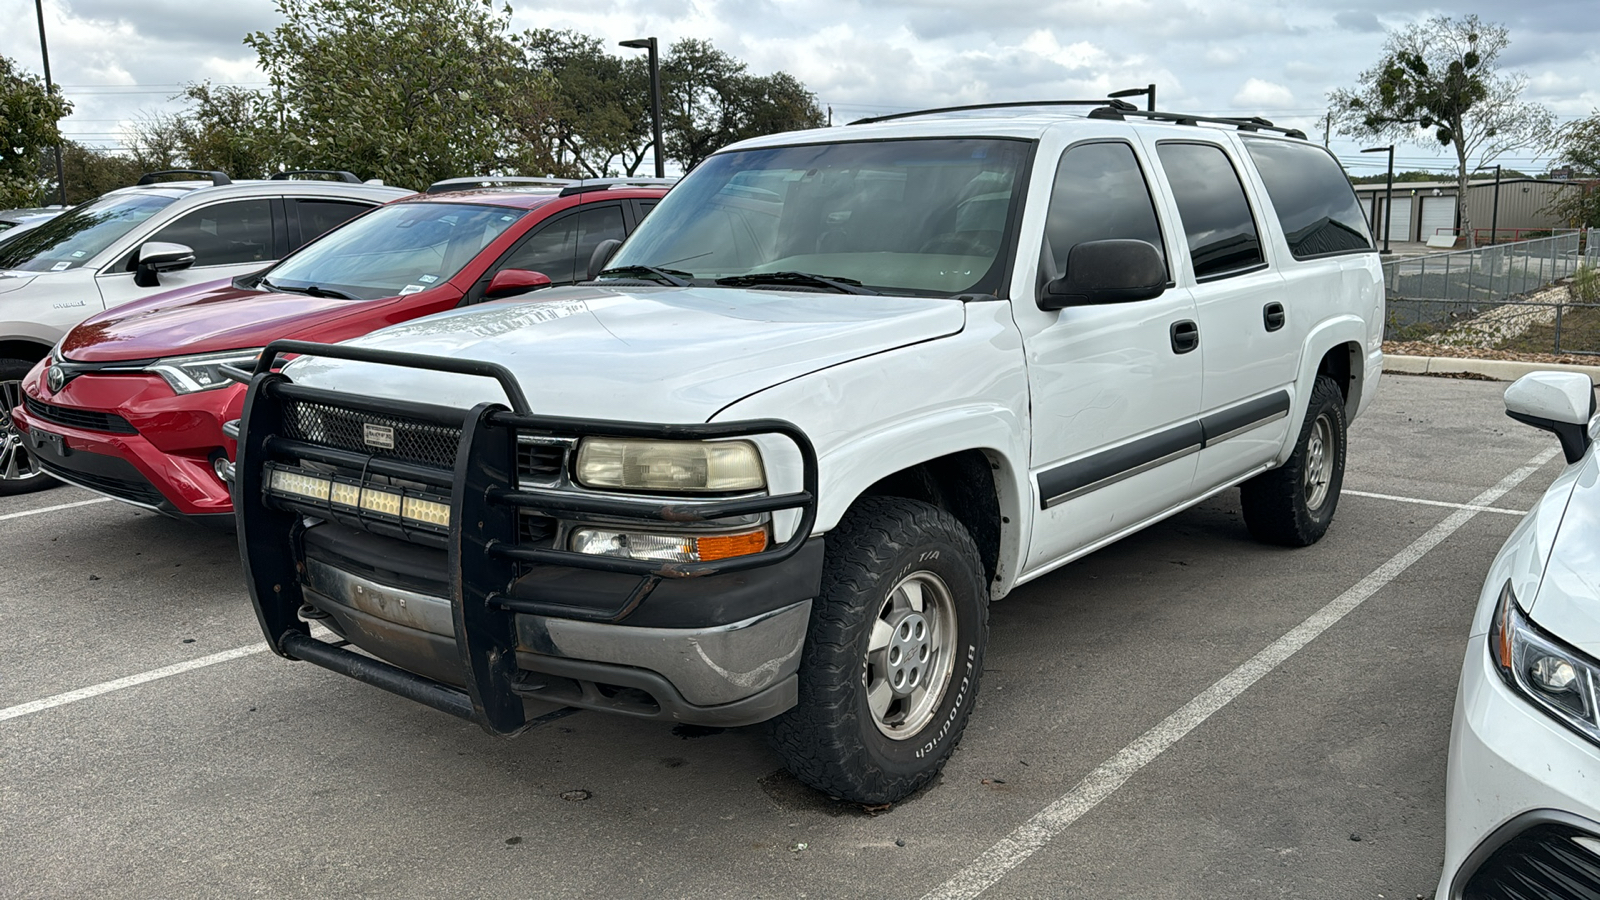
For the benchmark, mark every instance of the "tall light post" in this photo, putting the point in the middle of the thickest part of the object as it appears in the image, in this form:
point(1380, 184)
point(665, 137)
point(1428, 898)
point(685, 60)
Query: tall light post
point(1388, 197)
point(1148, 91)
point(655, 100)
point(1494, 216)
point(50, 88)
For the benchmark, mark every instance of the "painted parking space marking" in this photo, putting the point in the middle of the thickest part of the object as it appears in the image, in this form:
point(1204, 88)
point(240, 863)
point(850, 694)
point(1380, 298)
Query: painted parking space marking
point(1031, 836)
point(1444, 503)
point(106, 687)
point(60, 506)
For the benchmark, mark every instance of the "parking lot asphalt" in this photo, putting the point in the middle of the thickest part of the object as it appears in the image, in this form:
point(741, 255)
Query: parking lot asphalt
point(1317, 773)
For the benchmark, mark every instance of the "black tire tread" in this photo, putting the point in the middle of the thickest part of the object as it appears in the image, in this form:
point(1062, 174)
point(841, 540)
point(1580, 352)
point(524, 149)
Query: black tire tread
point(16, 370)
point(1273, 502)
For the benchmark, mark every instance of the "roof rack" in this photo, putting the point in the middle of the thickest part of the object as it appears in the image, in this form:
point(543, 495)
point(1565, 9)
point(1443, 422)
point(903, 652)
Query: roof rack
point(488, 181)
point(339, 175)
point(1252, 123)
point(1114, 104)
point(218, 179)
point(604, 184)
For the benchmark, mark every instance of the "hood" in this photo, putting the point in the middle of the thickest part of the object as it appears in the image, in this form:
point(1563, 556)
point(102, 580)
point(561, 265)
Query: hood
point(1568, 600)
point(669, 355)
point(207, 318)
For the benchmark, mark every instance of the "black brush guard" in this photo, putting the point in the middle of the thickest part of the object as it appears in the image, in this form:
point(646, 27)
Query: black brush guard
point(485, 500)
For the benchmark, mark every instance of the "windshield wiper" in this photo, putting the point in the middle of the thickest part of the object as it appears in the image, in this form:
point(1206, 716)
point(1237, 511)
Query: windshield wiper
point(841, 285)
point(669, 276)
point(310, 290)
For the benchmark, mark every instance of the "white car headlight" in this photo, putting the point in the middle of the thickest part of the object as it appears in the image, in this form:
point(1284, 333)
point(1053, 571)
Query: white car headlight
point(1554, 677)
point(188, 374)
point(669, 466)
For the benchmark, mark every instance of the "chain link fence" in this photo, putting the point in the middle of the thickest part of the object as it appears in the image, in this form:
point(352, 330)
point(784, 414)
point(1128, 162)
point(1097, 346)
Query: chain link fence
point(1534, 296)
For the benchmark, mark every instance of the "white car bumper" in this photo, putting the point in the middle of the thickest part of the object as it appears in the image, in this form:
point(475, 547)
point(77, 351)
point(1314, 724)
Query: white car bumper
point(1513, 768)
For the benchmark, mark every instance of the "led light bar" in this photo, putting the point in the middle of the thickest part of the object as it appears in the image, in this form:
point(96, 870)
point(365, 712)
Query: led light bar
point(420, 510)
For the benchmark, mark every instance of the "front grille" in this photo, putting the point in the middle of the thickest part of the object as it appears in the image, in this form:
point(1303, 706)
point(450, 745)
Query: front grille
point(540, 460)
point(1542, 863)
point(141, 492)
point(415, 441)
point(87, 419)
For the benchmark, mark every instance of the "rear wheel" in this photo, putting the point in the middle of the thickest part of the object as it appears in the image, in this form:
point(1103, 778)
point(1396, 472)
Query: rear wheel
point(1294, 504)
point(19, 471)
point(893, 656)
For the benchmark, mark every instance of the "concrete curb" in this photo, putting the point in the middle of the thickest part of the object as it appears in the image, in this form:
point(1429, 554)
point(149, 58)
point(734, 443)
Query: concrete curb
point(1497, 369)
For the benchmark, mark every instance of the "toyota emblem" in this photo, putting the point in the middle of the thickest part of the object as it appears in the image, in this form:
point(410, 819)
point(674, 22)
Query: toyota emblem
point(56, 378)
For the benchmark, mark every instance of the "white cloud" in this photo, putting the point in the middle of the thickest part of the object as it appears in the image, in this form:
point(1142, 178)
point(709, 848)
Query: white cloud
point(1258, 94)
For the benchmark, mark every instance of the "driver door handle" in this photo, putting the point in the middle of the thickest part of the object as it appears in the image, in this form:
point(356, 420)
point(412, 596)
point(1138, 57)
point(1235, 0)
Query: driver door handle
point(1185, 336)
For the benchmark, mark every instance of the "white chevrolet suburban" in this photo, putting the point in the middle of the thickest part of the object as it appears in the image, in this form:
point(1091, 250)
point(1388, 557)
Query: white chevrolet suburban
point(839, 391)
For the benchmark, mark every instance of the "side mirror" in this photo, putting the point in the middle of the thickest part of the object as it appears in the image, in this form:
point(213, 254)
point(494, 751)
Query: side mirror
point(511, 282)
point(1558, 402)
point(1114, 271)
point(602, 255)
point(158, 256)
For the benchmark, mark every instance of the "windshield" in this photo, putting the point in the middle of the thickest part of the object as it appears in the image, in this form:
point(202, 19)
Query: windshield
point(400, 249)
point(77, 235)
point(907, 217)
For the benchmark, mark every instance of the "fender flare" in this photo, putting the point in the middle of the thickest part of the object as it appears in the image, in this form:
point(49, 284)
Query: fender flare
point(1324, 336)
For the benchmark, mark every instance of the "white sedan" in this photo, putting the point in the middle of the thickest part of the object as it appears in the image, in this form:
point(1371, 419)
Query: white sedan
point(1522, 807)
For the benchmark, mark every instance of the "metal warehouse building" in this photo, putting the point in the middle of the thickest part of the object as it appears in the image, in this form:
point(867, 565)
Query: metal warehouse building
point(1424, 209)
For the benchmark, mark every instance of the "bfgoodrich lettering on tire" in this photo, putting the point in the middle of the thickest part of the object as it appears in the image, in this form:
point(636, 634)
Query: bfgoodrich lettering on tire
point(1294, 504)
point(893, 655)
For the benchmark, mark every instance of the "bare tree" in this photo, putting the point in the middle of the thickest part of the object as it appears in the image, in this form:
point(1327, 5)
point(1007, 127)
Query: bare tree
point(1437, 84)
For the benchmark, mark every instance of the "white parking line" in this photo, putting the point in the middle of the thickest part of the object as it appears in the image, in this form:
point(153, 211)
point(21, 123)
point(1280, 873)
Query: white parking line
point(1492, 509)
point(1015, 848)
point(106, 687)
point(44, 509)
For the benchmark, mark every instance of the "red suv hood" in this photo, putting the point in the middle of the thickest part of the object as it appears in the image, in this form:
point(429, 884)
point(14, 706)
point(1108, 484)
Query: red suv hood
point(209, 319)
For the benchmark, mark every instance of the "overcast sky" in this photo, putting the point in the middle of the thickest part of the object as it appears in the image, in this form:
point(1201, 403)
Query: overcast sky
point(117, 59)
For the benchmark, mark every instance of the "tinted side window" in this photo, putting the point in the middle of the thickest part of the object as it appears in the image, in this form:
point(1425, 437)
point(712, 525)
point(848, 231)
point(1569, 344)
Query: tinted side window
point(224, 234)
point(1315, 204)
point(318, 217)
point(550, 250)
point(1099, 194)
point(595, 225)
point(1211, 202)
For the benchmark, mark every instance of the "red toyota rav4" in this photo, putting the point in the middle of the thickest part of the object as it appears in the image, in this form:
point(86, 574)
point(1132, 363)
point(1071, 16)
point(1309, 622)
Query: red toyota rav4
point(132, 402)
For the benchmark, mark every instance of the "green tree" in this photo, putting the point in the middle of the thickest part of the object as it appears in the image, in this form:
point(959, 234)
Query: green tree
point(30, 116)
point(711, 101)
point(597, 122)
point(91, 172)
point(1578, 148)
point(1437, 84)
point(409, 91)
point(230, 129)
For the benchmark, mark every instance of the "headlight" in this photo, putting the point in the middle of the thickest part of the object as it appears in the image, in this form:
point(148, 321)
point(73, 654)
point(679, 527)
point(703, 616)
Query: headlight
point(640, 465)
point(1556, 678)
point(188, 374)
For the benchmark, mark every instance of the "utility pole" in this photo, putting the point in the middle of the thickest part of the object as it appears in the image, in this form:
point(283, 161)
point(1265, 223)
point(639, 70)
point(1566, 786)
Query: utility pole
point(1327, 130)
point(50, 89)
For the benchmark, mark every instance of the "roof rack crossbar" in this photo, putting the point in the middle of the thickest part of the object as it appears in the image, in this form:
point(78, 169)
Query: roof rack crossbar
point(1014, 104)
point(603, 184)
point(1251, 123)
point(485, 181)
point(218, 179)
point(339, 175)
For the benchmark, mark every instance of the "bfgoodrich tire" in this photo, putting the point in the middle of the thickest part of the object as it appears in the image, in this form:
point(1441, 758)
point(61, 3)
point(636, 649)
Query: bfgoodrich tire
point(19, 472)
point(893, 656)
point(1293, 505)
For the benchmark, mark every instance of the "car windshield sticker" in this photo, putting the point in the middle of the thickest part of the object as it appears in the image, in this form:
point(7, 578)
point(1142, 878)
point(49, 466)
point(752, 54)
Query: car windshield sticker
point(61, 266)
point(428, 279)
point(411, 289)
point(79, 254)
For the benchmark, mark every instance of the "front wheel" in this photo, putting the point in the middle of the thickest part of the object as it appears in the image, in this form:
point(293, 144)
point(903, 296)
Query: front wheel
point(19, 471)
point(893, 656)
point(1293, 504)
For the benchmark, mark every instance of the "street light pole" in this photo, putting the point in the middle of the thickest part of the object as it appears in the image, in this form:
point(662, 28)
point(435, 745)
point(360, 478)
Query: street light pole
point(1494, 217)
point(50, 89)
point(655, 99)
point(1388, 197)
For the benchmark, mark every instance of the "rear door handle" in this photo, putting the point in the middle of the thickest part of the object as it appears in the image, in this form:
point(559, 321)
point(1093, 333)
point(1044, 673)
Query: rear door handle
point(1185, 336)
point(1273, 316)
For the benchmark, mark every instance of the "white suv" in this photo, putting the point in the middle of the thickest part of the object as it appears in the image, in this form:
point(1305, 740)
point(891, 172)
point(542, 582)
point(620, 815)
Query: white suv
point(136, 242)
point(838, 392)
